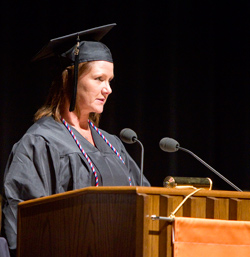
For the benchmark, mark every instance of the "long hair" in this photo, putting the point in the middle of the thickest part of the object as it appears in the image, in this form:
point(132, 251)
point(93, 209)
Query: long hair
point(60, 91)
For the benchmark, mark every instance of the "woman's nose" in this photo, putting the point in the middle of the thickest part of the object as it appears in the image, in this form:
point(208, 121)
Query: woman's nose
point(107, 88)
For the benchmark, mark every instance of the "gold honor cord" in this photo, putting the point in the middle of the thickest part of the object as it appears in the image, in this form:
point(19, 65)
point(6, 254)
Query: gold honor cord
point(171, 217)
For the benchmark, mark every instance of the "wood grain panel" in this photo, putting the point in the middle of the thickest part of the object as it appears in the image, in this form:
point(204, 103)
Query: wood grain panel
point(88, 225)
point(239, 209)
point(217, 208)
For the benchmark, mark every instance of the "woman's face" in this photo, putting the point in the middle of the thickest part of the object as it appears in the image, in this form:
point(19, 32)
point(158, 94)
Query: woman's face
point(93, 87)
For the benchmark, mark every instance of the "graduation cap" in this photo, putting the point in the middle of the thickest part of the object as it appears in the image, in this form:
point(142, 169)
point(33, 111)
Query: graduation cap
point(73, 50)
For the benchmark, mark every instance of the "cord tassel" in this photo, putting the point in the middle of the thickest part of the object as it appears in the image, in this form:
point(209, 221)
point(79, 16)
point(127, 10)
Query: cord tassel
point(73, 98)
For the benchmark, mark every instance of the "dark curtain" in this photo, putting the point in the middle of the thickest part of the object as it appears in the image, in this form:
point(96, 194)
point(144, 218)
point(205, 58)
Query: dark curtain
point(181, 71)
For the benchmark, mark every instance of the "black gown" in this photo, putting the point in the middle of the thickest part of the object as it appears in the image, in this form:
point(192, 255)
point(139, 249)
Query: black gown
point(47, 161)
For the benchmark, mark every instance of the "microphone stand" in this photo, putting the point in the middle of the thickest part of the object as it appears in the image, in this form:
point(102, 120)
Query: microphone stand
point(209, 167)
point(142, 159)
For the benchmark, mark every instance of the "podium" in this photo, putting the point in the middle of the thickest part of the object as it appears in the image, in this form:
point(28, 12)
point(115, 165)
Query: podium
point(116, 221)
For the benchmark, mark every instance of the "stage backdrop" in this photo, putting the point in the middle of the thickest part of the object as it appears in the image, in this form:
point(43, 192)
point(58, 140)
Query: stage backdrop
point(181, 71)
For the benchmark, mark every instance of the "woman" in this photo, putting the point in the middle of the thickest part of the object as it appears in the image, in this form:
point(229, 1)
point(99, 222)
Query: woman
point(64, 150)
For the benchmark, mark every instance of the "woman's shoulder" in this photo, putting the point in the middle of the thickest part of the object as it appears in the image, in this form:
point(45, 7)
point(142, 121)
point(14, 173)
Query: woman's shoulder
point(47, 131)
point(109, 136)
point(45, 126)
point(114, 140)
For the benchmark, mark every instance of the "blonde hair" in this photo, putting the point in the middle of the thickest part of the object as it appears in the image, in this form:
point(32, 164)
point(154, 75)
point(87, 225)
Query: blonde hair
point(60, 91)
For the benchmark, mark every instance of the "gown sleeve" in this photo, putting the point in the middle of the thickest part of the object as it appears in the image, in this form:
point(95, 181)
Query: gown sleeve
point(30, 173)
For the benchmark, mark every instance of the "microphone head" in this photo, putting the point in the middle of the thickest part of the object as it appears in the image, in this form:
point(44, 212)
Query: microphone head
point(128, 136)
point(169, 145)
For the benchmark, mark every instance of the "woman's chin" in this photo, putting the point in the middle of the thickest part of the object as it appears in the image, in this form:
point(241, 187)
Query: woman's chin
point(98, 111)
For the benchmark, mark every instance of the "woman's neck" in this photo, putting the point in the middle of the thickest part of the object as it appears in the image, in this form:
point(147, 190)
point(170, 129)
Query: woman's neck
point(75, 120)
point(80, 124)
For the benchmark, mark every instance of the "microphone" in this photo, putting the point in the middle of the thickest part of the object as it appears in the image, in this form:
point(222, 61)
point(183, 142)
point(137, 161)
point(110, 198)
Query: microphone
point(129, 136)
point(170, 145)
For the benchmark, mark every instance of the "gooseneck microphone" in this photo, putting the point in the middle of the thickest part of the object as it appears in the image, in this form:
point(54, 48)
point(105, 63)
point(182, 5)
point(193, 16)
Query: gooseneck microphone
point(170, 145)
point(129, 136)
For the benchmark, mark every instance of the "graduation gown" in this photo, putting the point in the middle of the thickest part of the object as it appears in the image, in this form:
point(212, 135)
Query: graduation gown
point(47, 161)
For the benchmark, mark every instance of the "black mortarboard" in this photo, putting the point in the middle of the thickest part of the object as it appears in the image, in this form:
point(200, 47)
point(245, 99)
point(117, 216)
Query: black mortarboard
point(73, 50)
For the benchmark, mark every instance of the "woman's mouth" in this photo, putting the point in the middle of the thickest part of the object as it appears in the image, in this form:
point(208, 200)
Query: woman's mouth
point(101, 100)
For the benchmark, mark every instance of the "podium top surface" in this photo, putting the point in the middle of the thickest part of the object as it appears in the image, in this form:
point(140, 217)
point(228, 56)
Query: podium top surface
point(136, 190)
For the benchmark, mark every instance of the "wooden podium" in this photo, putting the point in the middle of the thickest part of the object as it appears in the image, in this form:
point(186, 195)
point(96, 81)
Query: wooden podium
point(116, 221)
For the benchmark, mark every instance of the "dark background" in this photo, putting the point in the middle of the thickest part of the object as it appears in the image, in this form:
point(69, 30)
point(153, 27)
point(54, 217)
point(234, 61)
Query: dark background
point(181, 71)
